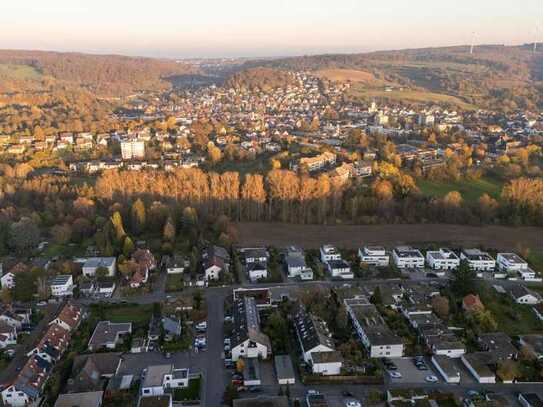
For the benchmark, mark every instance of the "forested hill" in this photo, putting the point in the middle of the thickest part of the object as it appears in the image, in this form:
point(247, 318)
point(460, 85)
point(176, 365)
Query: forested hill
point(106, 75)
point(260, 78)
point(494, 76)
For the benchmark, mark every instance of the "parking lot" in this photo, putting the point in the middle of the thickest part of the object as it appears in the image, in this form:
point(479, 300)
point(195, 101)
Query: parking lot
point(410, 373)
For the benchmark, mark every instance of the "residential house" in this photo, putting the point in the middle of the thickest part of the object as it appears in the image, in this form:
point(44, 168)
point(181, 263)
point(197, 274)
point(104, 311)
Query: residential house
point(372, 330)
point(480, 365)
point(256, 271)
point(108, 335)
point(251, 373)
point(247, 340)
point(94, 263)
point(328, 253)
point(91, 372)
point(478, 260)
point(8, 277)
point(86, 399)
point(442, 259)
point(176, 265)
point(499, 344)
point(446, 367)
point(27, 385)
point(296, 265)
point(8, 335)
point(53, 344)
point(215, 260)
point(172, 327)
point(158, 378)
point(315, 338)
point(407, 257)
point(62, 285)
point(534, 342)
point(69, 317)
point(522, 295)
point(512, 263)
point(106, 288)
point(284, 370)
point(339, 269)
point(373, 256)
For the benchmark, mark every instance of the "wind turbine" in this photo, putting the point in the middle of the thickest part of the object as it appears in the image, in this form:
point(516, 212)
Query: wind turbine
point(472, 46)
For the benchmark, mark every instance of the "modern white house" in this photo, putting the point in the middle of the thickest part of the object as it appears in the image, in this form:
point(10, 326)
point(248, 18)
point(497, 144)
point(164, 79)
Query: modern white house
point(257, 271)
point(373, 256)
point(247, 340)
point(158, 378)
point(7, 280)
point(296, 264)
point(407, 257)
point(442, 259)
point(339, 269)
point(372, 330)
point(328, 253)
point(8, 335)
point(511, 262)
point(478, 260)
point(522, 295)
point(62, 285)
point(94, 263)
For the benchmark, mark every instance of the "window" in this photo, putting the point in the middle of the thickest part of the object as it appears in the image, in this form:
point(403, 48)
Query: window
point(146, 391)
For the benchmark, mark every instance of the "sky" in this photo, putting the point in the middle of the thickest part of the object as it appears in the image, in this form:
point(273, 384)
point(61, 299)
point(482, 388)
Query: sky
point(255, 28)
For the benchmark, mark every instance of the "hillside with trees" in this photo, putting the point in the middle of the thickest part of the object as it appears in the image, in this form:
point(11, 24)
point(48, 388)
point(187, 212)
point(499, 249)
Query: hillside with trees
point(494, 76)
point(260, 79)
point(106, 75)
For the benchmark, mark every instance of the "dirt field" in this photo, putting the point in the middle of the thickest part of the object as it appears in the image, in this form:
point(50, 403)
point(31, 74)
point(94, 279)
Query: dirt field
point(351, 237)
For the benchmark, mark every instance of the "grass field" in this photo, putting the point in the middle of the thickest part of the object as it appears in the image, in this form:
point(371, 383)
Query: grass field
point(344, 75)
point(137, 314)
point(512, 318)
point(471, 190)
point(412, 96)
point(19, 71)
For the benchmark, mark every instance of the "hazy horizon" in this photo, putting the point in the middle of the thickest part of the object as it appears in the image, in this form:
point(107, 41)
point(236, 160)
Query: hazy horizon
point(241, 28)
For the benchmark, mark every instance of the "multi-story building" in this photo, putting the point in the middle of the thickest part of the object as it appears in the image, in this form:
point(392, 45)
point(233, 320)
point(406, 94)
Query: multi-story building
point(247, 340)
point(407, 257)
point(133, 150)
point(442, 259)
point(373, 256)
point(478, 260)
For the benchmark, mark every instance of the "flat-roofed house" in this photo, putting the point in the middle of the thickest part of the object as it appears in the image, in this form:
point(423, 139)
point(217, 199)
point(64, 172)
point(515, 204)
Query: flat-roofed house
point(158, 378)
point(442, 259)
point(284, 370)
point(479, 365)
point(407, 257)
point(62, 285)
point(94, 263)
point(373, 256)
point(446, 367)
point(329, 252)
point(478, 260)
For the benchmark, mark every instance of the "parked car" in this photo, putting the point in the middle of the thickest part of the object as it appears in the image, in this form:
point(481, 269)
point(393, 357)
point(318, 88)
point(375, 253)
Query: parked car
point(395, 375)
point(353, 403)
point(431, 379)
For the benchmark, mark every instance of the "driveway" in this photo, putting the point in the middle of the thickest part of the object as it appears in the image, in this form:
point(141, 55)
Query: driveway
point(410, 373)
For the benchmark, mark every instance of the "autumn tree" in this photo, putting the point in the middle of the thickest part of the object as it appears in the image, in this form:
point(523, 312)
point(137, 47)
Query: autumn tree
point(24, 235)
point(137, 213)
point(440, 305)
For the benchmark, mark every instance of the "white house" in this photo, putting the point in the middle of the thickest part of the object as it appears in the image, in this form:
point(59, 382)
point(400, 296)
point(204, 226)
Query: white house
point(7, 280)
point(8, 335)
point(373, 256)
point(339, 269)
point(296, 265)
point(176, 265)
point(522, 295)
point(442, 259)
point(478, 260)
point(62, 285)
point(94, 263)
point(256, 271)
point(372, 330)
point(106, 288)
point(254, 255)
point(316, 344)
point(158, 378)
point(407, 257)
point(511, 262)
point(247, 340)
point(328, 253)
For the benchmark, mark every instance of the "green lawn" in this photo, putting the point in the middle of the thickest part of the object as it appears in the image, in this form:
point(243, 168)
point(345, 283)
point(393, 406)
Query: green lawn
point(513, 319)
point(471, 190)
point(19, 71)
point(138, 314)
point(191, 393)
point(174, 282)
point(536, 261)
